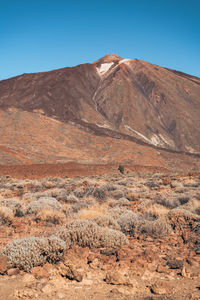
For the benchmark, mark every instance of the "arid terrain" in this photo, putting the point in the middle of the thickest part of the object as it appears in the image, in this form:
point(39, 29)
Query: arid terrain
point(114, 236)
point(100, 183)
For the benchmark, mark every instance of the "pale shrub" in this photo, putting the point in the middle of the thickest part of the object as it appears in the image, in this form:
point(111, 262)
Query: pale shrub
point(29, 252)
point(87, 233)
point(50, 216)
point(6, 215)
point(106, 221)
point(43, 202)
point(156, 229)
point(128, 221)
point(120, 202)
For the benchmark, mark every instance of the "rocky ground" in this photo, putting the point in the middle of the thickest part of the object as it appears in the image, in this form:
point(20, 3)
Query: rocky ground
point(116, 236)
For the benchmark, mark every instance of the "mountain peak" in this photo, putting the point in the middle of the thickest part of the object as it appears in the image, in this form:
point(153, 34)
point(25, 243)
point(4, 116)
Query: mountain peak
point(108, 58)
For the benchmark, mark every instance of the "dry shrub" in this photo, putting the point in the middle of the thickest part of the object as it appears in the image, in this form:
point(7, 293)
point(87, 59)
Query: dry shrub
point(79, 192)
point(106, 221)
point(72, 199)
point(51, 216)
point(11, 203)
point(6, 215)
point(183, 200)
point(97, 192)
point(109, 187)
point(128, 221)
point(197, 229)
point(193, 206)
point(29, 252)
point(197, 196)
point(64, 196)
point(132, 196)
point(169, 203)
point(176, 184)
point(152, 183)
point(120, 202)
point(180, 218)
point(115, 213)
point(78, 206)
point(29, 197)
point(191, 183)
point(117, 194)
point(87, 233)
point(43, 202)
point(156, 229)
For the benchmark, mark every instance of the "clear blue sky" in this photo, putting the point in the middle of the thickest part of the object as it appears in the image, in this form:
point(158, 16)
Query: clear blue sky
point(41, 35)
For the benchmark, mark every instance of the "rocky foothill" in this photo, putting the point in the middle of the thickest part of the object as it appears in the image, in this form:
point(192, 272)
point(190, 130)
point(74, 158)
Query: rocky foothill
point(117, 236)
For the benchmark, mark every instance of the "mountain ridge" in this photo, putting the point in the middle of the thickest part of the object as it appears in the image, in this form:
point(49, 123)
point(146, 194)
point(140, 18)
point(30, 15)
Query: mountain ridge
point(114, 97)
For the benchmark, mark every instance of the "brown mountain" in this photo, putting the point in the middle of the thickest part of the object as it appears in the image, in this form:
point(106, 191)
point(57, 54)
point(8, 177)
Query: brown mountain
point(112, 110)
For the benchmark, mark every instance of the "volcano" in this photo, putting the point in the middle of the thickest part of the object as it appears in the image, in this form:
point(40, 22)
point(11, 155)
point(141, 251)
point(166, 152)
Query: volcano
point(111, 110)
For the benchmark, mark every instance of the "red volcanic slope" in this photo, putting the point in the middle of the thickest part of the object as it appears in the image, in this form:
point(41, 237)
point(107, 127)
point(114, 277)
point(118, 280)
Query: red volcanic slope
point(113, 110)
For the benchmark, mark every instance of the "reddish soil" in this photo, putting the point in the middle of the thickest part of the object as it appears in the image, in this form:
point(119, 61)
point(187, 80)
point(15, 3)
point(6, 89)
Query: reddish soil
point(69, 169)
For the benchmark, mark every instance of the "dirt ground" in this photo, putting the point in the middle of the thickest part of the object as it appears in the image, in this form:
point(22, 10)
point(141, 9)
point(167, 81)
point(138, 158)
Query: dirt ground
point(157, 213)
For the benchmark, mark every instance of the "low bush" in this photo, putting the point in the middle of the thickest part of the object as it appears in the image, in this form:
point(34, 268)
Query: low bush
point(109, 187)
point(43, 202)
point(87, 233)
point(29, 197)
point(152, 184)
point(129, 221)
point(78, 206)
point(29, 252)
point(106, 221)
point(120, 202)
point(72, 199)
point(156, 229)
point(79, 192)
point(62, 195)
point(97, 192)
point(117, 194)
point(197, 196)
point(15, 205)
point(183, 199)
point(6, 215)
point(169, 203)
point(115, 213)
point(50, 216)
point(181, 218)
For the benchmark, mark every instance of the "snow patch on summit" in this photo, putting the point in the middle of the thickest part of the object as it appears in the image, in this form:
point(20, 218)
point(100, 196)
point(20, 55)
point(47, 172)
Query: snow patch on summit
point(104, 68)
point(126, 61)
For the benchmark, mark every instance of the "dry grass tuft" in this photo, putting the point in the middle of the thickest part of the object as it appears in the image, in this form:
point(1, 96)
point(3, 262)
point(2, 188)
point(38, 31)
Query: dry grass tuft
point(154, 209)
point(91, 212)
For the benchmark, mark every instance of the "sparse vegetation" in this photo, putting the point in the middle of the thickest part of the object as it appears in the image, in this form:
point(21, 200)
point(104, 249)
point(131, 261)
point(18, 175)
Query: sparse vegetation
point(114, 213)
